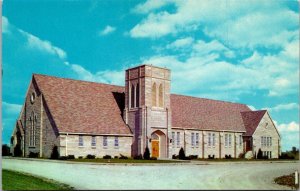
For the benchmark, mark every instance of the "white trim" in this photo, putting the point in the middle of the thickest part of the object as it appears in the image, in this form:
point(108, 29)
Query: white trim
point(194, 129)
point(91, 134)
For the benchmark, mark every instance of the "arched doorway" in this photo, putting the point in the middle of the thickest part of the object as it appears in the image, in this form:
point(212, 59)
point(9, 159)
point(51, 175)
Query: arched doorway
point(158, 144)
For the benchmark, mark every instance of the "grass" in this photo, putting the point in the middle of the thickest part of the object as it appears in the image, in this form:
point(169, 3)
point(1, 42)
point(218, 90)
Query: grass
point(287, 180)
point(12, 180)
point(238, 159)
point(100, 160)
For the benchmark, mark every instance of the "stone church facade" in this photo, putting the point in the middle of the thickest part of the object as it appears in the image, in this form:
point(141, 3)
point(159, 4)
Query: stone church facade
point(81, 118)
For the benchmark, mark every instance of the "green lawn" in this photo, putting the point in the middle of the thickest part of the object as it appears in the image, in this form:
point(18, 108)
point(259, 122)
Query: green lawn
point(12, 180)
point(100, 160)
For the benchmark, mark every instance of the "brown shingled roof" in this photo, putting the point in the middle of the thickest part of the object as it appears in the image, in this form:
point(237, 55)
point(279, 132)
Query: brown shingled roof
point(200, 113)
point(83, 107)
point(96, 108)
point(251, 120)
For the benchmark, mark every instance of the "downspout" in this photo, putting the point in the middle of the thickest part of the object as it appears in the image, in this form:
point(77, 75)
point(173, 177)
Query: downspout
point(234, 145)
point(41, 128)
point(146, 126)
point(67, 144)
point(202, 144)
point(167, 139)
point(220, 145)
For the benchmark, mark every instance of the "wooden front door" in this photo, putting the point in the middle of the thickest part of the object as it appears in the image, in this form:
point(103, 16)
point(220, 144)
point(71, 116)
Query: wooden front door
point(155, 148)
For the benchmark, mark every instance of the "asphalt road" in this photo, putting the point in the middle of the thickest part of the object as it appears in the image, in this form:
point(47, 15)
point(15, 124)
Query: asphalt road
point(196, 175)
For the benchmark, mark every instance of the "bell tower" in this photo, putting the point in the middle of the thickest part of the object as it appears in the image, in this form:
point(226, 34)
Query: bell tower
point(147, 109)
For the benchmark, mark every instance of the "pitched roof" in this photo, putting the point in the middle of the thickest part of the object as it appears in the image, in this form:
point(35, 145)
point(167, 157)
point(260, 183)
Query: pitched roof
point(251, 120)
point(200, 113)
point(83, 107)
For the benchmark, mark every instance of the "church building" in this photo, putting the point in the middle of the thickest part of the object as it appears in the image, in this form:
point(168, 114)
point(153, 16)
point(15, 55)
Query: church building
point(80, 118)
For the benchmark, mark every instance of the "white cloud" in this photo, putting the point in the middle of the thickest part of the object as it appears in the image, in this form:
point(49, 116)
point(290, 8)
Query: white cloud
point(5, 25)
point(292, 126)
point(204, 48)
point(288, 106)
point(252, 107)
point(150, 5)
point(181, 43)
point(34, 42)
point(235, 23)
point(107, 30)
point(11, 108)
point(108, 76)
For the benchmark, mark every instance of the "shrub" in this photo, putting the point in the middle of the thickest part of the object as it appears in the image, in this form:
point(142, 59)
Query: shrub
point(123, 157)
point(259, 154)
point(17, 150)
point(89, 156)
point(181, 154)
point(227, 156)
point(147, 154)
point(107, 157)
point(211, 157)
point(193, 156)
point(54, 154)
point(63, 158)
point(80, 157)
point(5, 150)
point(71, 157)
point(242, 155)
point(138, 157)
point(33, 155)
point(116, 157)
point(153, 158)
point(175, 156)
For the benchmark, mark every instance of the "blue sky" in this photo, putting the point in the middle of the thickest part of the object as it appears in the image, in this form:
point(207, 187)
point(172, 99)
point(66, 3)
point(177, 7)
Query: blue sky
point(239, 51)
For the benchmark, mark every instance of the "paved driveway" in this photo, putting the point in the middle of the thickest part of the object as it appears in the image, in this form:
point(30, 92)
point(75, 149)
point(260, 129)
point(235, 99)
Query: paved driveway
point(199, 175)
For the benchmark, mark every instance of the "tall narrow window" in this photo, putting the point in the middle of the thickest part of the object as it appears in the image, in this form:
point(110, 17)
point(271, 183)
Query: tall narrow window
point(193, 139)
point(229, 140)
point(80, 142)
point(270, 141)
point(209, 139)
point(32, 120)
point(116, 141)
point(137, 95)
point(132, 96)
point(160, 95)
point(240, 140)
point(154, 94)
point(213, 139)
point(173, 139)
point(197, 139)
point(93, 142)
point(105, 141)
point(262, 141)
point(226, 140)
point(178, 139)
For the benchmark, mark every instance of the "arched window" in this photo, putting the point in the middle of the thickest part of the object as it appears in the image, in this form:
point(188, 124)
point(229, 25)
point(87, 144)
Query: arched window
point(160, 93)
point(132, 96)
point(137, 94)
point(154, 94)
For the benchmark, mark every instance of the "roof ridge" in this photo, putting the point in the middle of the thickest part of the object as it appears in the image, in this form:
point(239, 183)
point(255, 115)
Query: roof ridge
point(209, 99)
point(76, 80)
point(264, 110)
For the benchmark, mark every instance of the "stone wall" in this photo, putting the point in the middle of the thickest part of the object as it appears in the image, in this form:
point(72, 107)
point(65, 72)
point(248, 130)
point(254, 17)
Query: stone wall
point(266, 128)
point(70, 146)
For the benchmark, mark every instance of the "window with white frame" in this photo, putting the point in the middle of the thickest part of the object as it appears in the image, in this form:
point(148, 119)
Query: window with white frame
point(93, 141)
point(240, 140)
point(213, 139)
point(80, 142)
point(116, 141)
point(270, 141)
point(209, 139)
point(173, 139)
point(226, 140)
point(197, 139)
point(178, 139)
point(229, 140)
point(193, 139)
point(262, 141)
point(105, 141)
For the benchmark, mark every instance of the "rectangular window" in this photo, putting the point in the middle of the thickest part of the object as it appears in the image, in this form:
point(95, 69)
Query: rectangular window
point(209, 139)
point(116, 141)
point(270, 154)
point(178, 139)
point(240, 140)
point(226, 140)
point(93, 142)
point(262, 141)
point(270, 141)
point(193, 139)
point(105, 141)
point(213, 139)
point(173, 139)
point(197, 139)
point(229, 140)
point(80, 143)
